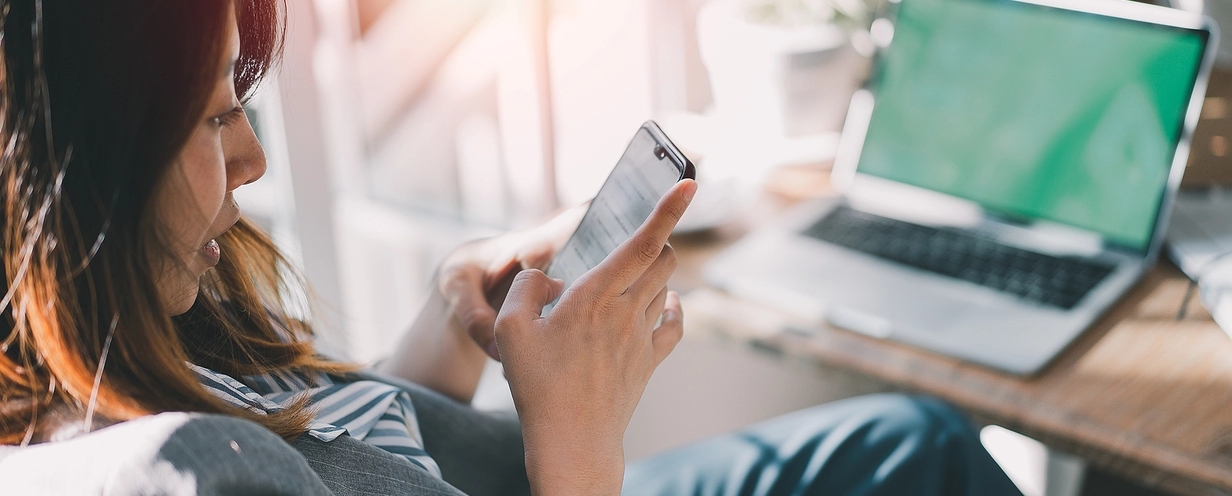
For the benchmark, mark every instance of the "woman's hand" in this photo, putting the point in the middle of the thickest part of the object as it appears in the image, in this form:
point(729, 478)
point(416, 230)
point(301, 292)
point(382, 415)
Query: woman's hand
point(475, 278)
point(440, 351)
point(577, 374)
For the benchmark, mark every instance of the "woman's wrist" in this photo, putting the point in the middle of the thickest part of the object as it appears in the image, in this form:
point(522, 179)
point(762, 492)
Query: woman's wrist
point(436, 353)
point(559, 462)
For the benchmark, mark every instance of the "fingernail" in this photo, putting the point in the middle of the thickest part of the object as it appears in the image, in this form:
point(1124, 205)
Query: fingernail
point(690, 190)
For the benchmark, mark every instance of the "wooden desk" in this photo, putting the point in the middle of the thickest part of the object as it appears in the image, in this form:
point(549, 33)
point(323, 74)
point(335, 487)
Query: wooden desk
point(1143, 393)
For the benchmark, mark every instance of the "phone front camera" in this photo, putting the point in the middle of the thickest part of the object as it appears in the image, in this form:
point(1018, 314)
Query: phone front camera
point(660, 152)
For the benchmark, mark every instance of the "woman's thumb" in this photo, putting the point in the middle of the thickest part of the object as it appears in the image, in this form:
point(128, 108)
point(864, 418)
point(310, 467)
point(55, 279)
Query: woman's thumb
point(531, 291)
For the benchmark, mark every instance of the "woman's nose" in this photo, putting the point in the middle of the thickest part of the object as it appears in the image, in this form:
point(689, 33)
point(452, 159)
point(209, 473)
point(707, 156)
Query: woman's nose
point(244, 155)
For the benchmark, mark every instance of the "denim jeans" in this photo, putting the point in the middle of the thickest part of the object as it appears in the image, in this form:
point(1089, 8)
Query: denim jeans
point(873, 445)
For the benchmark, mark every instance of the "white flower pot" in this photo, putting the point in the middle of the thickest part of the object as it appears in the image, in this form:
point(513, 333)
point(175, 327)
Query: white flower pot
point(776, 81)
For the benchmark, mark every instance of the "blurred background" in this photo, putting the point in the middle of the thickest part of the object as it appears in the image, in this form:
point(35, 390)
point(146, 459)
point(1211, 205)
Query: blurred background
point(398, 129)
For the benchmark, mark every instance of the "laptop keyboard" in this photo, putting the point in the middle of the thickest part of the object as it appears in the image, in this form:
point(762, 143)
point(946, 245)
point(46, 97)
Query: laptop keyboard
point(1055, 281)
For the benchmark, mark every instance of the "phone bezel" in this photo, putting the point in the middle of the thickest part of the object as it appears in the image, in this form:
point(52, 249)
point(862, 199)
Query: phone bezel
point(686, 167)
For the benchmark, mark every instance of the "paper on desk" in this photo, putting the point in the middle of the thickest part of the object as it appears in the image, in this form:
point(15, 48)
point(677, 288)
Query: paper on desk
point(1199, 242)
point(1216, 293)
point(1201, 229)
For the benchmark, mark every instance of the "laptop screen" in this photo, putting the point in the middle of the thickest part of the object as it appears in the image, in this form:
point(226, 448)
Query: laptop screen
point(1034, 112)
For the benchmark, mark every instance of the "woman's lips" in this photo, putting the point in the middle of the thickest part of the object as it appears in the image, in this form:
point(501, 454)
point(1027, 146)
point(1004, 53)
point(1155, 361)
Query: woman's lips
point(212, 252)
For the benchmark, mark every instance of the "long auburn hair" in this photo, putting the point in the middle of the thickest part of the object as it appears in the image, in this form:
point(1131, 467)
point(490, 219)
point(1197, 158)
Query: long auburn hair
point(97, 99)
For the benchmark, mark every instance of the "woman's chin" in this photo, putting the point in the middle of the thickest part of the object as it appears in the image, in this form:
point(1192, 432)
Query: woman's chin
point(184, 301)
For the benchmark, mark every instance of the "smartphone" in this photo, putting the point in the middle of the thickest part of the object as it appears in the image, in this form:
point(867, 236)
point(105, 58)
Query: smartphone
point(650, 166)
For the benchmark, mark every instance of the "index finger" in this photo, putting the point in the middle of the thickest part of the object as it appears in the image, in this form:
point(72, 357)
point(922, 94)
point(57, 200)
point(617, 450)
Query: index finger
point(631, 259)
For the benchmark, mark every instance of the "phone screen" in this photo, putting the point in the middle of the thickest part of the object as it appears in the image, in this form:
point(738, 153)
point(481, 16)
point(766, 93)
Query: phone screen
point(649, 168)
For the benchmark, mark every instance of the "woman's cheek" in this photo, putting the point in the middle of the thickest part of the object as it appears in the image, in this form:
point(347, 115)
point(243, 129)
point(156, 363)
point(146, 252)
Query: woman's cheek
point(206, 172)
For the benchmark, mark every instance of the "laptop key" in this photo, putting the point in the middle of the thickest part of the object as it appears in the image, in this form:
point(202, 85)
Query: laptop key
point(1044, 279)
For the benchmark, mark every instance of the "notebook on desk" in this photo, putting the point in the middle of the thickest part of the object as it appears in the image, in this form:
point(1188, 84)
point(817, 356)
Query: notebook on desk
point(1005, 177)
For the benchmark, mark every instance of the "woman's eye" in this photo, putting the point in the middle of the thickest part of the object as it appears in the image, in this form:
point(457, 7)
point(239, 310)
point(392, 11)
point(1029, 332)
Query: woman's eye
point(228, 118)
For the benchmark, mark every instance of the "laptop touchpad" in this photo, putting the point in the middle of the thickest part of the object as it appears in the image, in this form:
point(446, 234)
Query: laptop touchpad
point(875, 298)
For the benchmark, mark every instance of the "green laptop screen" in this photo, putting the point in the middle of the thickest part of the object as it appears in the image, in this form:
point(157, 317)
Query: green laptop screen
point(1034, 112)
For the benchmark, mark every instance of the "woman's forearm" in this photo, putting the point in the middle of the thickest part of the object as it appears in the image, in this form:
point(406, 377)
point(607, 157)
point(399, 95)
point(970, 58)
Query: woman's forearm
point(437, 353)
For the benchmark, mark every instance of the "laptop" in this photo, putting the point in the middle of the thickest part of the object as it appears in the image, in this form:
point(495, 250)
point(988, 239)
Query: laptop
point(1004, 177)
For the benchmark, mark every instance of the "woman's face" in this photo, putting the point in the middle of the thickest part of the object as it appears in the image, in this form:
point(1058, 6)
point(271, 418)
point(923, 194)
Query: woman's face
point(193, 201)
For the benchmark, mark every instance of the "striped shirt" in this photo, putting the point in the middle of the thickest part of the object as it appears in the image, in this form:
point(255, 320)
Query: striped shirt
point(370, 411)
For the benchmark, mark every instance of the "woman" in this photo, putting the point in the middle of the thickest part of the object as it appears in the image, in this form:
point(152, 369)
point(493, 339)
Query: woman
point(134, 289)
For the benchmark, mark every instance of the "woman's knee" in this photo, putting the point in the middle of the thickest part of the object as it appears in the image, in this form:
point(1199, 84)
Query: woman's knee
point(927, 442)
point(902, 415)
point(898, 441)
point(915, 439)
point(880, 422)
